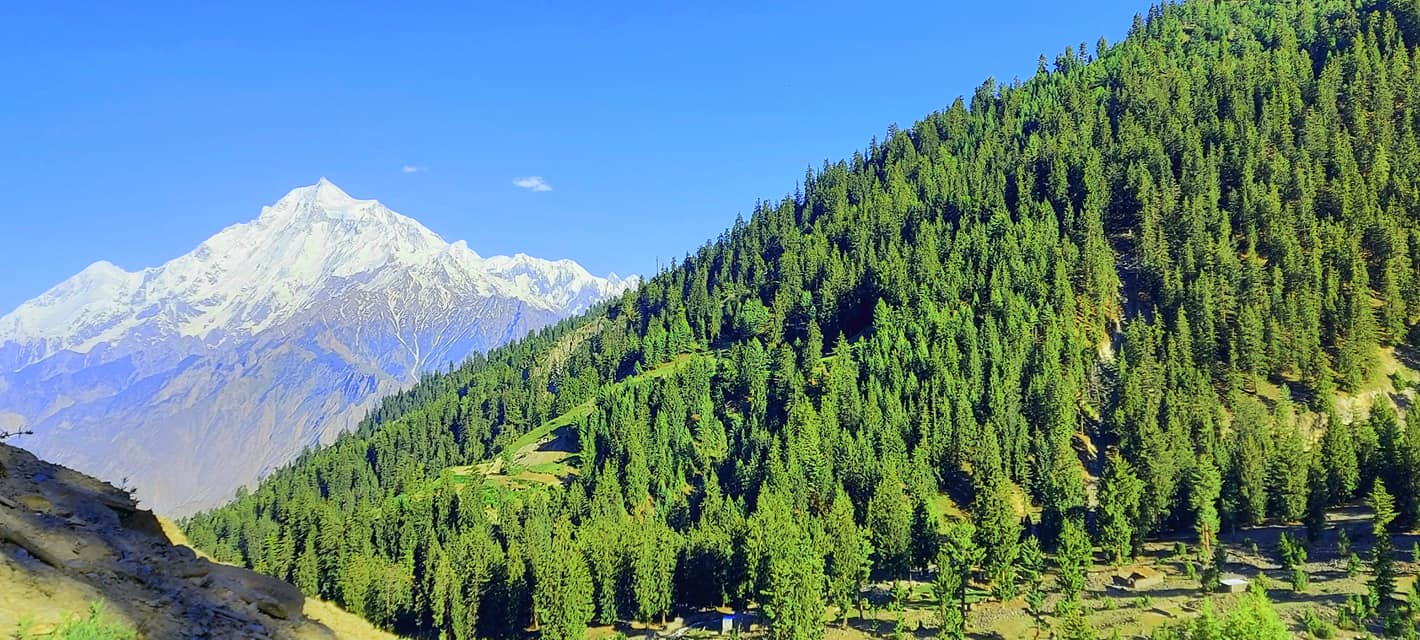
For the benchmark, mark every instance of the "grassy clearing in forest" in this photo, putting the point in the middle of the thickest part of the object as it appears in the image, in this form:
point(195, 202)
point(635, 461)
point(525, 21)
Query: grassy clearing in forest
point(547, 455)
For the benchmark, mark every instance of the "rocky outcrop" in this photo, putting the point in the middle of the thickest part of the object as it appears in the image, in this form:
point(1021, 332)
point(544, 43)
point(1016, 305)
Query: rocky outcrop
point(63, 532)
point(270, 596)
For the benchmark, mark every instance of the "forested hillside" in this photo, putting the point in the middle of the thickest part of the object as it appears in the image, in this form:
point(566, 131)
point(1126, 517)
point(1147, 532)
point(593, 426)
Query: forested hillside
point(1115, 300)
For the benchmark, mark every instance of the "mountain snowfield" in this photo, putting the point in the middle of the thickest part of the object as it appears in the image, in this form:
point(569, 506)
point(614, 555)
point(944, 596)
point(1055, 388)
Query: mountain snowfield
point(190, 379)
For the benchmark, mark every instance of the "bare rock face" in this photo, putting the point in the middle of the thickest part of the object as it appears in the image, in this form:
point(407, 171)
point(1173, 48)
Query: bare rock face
point(61, 531)
point(35, 502)
point(270, 596)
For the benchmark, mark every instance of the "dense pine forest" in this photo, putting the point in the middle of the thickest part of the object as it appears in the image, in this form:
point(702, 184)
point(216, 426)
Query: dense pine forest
point(1114, 301)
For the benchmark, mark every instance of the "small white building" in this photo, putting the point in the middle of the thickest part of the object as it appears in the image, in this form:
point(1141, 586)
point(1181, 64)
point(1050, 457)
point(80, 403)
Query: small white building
point(1234, 584)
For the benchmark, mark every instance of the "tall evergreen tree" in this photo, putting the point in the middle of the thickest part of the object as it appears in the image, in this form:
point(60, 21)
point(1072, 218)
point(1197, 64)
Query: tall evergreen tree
point(653, 564)
point(848, 558)
point(1338, 453)
point(789, 570)
point(1119, 494)
point(958, 558)
point(1073, 559)
point(1383, 571)
point(998, 529)
point(890, 527)
point(564, 588)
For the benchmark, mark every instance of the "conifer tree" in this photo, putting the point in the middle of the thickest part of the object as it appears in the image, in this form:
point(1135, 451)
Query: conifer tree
point(1399, 461)
point(653, 564)
point(1383, 572)
point(947, 586)
point(958, 558)
point(1318, 498)
point(788, 570)
point(890, 527)
point(1254, 617)
point(926, 537)
point(1032, 570)
point(1119, 495)
point(1287, 468)
point(564, 588)
point(1073, 558)
point(1243, 174)
point(998, 531)
point(1204, 488)
point(849, 556)
point(602, 539)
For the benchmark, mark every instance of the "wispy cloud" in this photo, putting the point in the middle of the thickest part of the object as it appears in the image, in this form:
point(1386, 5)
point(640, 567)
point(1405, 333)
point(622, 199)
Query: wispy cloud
point(409, 168)
point(533, 183)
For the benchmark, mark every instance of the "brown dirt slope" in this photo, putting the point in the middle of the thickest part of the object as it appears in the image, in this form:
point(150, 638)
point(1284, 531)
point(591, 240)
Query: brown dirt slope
point(67, 540)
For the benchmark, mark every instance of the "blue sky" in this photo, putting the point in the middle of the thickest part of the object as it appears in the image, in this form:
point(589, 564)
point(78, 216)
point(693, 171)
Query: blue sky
point(131, 133)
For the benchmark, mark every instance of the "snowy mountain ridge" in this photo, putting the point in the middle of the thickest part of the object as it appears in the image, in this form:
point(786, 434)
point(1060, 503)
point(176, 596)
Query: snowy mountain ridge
point(254, 275)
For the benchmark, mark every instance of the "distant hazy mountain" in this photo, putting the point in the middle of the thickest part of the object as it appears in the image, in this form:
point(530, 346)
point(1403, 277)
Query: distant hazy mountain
point(198, 376)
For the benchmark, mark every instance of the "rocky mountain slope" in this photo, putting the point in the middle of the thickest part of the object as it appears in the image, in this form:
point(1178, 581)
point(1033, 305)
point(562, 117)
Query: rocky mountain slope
point(190, 379)
point(68, 541)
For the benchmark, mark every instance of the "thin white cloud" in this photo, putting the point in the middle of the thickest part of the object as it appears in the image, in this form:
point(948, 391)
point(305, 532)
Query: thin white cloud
point(533, 183)
point(409, 168)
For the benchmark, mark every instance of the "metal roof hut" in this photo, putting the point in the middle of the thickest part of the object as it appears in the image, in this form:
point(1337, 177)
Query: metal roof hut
point(1139, 578)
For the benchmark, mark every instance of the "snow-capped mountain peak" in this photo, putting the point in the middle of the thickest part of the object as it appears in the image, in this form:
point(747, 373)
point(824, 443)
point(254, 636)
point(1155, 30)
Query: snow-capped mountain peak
point(75, 309)
point(323, 200)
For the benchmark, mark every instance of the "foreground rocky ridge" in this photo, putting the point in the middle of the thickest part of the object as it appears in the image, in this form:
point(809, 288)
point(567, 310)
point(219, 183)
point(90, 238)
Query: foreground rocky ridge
point(67, 540)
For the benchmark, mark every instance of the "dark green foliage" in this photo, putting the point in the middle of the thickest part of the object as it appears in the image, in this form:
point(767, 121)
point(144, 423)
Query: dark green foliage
point(1290, 552)
point(890, 527)
point(1032, 568)
point(655, 549)
point(998, 531)
point(1120, 492)
point(946, 588)
point(1128, 252)
point(926, 537)
point(848, 558)
point(1338, 453)
point(1073, 559)
point(1383, 571)
point(1287, 467)
point(1204, 488)
point(1398, 462)
point(959, 556)
point(787, 570)
point(564, 588)
point(1318, 496)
